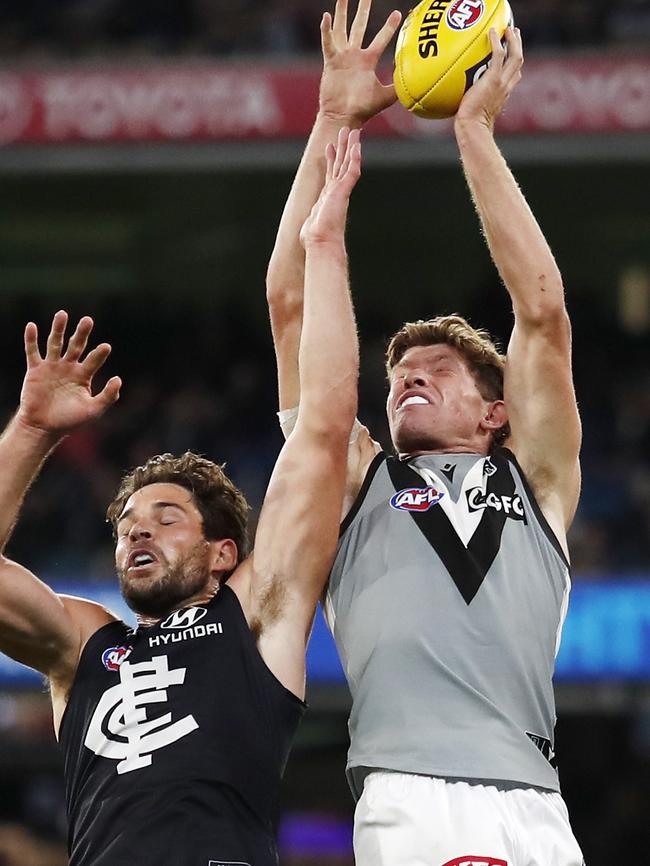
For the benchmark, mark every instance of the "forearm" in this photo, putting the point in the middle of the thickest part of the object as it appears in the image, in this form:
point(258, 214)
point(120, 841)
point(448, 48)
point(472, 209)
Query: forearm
point(286, 271)
point(23, 451)
point(517, 245)
point(329, 350)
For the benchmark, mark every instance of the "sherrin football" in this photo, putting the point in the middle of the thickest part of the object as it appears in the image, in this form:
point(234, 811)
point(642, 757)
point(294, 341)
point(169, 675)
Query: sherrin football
point(442, 49)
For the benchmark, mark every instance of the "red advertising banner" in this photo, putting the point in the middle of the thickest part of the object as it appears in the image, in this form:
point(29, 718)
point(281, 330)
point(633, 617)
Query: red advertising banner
point(216, 102)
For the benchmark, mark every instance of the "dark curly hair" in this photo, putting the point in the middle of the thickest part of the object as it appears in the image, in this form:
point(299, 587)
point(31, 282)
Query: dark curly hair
point(223, 507)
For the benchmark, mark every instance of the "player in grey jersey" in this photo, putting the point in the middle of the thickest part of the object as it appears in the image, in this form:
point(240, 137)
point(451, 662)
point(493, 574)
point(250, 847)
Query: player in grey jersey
point(450, 585)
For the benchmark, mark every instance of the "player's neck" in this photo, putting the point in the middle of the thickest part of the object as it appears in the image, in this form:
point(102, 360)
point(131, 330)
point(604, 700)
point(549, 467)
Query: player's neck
point(448, 449)
point(206, 596)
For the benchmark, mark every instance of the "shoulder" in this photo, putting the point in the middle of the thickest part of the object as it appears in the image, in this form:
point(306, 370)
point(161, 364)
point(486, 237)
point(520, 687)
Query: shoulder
point(241, 584)
point(87, 615)
point(363, 458)
point(548, 503)
point(357, 496)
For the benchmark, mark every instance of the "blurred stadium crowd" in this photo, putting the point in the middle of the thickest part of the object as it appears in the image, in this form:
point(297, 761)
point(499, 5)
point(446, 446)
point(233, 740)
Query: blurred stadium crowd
point(220, 28)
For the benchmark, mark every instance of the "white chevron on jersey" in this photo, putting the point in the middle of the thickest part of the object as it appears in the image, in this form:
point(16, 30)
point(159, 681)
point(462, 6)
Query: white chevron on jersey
point(464, 521)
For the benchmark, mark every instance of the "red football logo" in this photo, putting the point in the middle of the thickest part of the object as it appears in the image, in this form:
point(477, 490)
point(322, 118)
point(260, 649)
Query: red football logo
point(464, 14)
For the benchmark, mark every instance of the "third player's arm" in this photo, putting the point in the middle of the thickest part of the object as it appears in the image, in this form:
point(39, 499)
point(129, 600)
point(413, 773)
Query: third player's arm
point(298, 527)
point(538, 381)
point(350, 93)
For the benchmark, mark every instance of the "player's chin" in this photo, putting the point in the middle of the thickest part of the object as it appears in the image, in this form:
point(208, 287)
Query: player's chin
point(155, 600)
point(138, 589)
point(409, 437)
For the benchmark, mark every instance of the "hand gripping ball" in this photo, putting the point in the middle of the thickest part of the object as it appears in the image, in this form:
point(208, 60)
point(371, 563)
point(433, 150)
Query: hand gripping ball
point(442, 49)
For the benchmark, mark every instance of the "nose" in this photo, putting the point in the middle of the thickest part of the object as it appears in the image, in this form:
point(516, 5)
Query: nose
point(139, 530)
point(414, 379)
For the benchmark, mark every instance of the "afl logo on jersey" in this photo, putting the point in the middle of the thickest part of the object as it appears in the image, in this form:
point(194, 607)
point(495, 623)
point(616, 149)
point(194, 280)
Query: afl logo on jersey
point(416, 499)
point(113, 657)
point(184, 618)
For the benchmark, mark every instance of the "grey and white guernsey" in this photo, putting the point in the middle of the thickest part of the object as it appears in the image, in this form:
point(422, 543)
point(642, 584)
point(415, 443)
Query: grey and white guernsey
point(447, 599)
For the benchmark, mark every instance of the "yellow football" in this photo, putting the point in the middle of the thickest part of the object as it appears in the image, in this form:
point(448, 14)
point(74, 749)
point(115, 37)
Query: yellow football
point(442, 49)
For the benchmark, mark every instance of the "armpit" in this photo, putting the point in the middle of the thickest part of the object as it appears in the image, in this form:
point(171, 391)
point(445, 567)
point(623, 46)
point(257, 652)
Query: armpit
point(271, 603)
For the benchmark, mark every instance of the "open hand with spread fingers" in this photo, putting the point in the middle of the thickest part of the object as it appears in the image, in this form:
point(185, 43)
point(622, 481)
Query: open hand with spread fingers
point(57, 391)
point(326, 222)
point(485, 99)
point(349, 86)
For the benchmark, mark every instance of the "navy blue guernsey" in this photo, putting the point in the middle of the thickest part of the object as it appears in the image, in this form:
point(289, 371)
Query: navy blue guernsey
point(175, 739)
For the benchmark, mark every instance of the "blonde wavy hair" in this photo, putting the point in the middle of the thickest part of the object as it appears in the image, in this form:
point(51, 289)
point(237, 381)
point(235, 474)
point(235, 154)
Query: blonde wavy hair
point(475, 345)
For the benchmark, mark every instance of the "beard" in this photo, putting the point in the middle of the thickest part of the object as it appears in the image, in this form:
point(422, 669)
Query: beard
point(156, 597)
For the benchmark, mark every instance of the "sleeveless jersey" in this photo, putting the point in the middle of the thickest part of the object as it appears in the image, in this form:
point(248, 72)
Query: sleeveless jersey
point(446, 600)
point(175, 738)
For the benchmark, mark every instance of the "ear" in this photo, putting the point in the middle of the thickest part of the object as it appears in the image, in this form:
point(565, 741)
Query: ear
point(496, 416)
point(223, 555)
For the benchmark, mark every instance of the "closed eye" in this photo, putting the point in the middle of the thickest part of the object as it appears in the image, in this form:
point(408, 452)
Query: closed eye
point(169, 514)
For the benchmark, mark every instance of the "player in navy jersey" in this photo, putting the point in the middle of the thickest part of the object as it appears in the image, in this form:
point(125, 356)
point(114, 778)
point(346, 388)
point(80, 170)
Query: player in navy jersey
point(450, 585)
point(175, 734)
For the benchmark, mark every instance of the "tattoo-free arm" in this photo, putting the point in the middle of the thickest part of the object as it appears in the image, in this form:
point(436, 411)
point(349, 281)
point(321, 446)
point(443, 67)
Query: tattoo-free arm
point(298, 527)
point(36, 626)
point(350, 93)
point(538, 384)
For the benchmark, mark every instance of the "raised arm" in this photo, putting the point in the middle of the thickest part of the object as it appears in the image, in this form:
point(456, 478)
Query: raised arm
point(539, 390)
point(38, 627)
point(298, 527)
point(350, 93)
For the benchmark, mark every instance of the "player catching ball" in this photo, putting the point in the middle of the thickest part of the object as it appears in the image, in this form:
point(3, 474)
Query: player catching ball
point(451, 580)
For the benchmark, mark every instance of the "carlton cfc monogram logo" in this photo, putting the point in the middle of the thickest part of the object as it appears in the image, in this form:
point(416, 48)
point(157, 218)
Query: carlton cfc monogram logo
point(120, 729)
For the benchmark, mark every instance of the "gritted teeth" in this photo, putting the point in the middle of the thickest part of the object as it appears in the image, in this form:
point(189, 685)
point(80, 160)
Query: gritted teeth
point(415, 400)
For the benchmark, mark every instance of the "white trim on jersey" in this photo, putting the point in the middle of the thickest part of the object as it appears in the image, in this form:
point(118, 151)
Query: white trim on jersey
point(563, 610)
point(328, 612)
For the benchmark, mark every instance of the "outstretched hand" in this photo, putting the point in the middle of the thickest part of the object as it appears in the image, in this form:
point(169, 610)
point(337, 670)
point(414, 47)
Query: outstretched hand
point(485, 99)
point(326, 222)
point(56, 395)
point(349, 88)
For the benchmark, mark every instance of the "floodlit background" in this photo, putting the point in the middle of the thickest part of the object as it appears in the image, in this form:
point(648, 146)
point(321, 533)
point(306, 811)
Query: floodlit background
point(146, 150)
